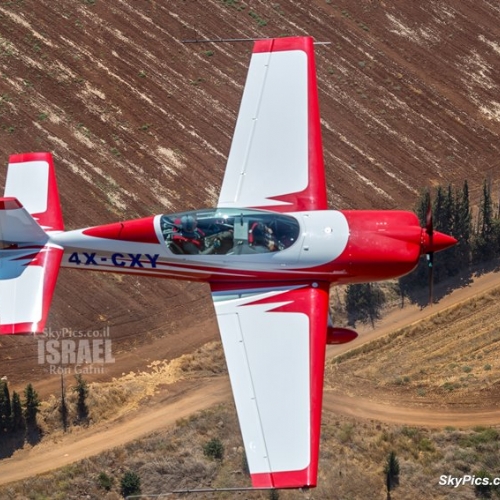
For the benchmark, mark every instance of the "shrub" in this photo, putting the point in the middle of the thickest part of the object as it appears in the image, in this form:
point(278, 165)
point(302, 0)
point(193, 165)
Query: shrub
point(130, 484)
point(214, 449)
point(105, 481)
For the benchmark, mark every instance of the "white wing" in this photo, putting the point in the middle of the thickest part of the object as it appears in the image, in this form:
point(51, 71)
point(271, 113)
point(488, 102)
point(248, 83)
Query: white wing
point(276, 157)
point(274, 342)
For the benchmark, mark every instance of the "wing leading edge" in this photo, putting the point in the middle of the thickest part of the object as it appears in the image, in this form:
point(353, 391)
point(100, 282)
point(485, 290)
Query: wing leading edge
point(274, 341)
point(276, 157)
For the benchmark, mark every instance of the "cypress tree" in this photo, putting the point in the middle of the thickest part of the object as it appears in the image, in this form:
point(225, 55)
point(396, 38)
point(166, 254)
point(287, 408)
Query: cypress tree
point(423, 202)
point(463, 227)
point(439, 212)
point(484, 244)
point(18, 423)
point(82, 391)
point(451, 253)
point(31, 405)
point(364, 303)
point(5, 408)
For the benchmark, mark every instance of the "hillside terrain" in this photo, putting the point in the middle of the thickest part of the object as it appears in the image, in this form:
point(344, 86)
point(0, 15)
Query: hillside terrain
point(458, 360)
point(156, 422)
point(141, 123)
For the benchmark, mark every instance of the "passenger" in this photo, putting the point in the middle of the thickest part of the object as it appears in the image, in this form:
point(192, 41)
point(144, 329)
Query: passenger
point(262, 237)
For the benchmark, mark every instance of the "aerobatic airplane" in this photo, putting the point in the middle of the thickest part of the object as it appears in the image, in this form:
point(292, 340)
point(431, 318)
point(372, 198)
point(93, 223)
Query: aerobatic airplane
point(269, 251)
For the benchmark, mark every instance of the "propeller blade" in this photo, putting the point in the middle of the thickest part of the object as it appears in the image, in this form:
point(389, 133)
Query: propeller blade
point(429, 227)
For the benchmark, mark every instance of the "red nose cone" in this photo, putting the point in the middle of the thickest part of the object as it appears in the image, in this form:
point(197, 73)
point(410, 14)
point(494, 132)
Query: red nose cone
point(436, 243)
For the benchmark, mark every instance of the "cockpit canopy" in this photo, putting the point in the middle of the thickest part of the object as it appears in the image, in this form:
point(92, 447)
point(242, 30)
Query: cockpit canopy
point(228, 231)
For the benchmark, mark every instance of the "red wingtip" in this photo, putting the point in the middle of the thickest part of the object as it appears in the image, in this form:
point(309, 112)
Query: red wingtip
point(9, 203)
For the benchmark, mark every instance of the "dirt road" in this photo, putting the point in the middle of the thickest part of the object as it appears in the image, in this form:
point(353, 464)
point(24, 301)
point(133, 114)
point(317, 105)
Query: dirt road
point(338, 403)
point(80, 445)
point(200, 395)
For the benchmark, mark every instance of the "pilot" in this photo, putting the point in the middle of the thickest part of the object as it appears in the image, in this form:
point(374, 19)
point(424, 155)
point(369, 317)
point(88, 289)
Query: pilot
point(190, 239)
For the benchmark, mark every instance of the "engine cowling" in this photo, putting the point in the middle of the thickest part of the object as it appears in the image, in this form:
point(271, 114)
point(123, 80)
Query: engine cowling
point(337, 335)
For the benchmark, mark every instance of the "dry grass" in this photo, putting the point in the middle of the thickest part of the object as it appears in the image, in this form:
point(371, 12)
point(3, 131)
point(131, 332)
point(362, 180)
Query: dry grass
point(423, 356)
point(112, 399)
point(352, 458)
point(452, 356)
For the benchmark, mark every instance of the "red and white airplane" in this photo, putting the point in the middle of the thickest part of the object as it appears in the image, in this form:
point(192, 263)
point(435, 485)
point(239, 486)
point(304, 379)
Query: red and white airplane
point(269, 251)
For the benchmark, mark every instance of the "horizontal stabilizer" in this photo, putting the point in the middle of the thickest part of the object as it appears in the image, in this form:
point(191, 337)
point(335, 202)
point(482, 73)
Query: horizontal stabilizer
point(27, 281)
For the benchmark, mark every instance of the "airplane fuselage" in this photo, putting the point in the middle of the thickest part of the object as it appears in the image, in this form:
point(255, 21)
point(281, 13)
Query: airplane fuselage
point(333, 246)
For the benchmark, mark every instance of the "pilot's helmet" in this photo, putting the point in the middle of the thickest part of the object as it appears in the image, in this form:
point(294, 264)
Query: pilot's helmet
point(188, 223)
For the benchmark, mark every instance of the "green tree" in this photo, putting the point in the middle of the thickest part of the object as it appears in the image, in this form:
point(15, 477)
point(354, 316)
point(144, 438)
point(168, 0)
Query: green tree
point(391, 471)
point(441, 222)
point(18, 423)
point(445, 220)
point(82, 391)
point(130, 484)
point(463, 227)
point(423, 203)
point(31, 406)
point(447, 225)
point(5, 408)
point(484, 240)
point(364, 303)
point(31, 409)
